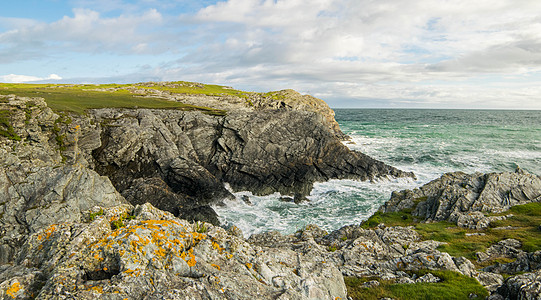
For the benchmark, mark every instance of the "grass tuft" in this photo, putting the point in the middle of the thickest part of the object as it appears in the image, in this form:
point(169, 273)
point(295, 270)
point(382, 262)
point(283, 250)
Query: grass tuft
point(6, 129)
point(452, 286)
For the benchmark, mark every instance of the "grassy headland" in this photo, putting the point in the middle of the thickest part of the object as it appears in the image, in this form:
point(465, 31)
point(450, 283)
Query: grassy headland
point(81, 97)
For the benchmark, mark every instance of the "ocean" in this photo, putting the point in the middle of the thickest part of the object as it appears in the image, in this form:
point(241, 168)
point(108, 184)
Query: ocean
point(426, 142)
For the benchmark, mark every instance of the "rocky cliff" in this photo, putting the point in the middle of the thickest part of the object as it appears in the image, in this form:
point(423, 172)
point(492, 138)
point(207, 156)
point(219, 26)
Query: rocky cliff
point(179, 160)
point(56, 165)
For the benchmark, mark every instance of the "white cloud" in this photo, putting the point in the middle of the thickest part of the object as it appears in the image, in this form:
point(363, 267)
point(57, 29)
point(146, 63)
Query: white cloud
point(87, 32)
point(417, 52)
point(13, 78)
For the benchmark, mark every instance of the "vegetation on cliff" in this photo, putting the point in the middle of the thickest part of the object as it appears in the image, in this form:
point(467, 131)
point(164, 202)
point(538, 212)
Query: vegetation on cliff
point(79, 98)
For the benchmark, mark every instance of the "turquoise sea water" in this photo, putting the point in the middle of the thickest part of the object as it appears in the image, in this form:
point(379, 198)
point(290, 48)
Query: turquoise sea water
point(427, 142)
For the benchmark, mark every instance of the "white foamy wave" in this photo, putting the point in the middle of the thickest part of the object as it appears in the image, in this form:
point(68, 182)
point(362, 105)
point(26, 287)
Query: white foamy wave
point(427, 143)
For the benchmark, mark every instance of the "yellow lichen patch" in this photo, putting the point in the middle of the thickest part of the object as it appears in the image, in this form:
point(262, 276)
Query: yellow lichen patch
point(191, 262)
point(48, 232)
point(249, 265)
point(160, 252)
point(97, 289)
point(13, 289)
point(215, 266)
point(152, 240)
point(198, 236)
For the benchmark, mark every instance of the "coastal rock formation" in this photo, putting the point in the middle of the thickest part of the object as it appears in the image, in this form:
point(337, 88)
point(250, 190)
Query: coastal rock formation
point(102, 206)
point(69, 182)
point(179, 160)
point(466, 199)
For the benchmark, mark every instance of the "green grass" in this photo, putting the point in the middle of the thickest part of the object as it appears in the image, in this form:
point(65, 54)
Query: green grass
point(526, 220)
point(79, 98)
point(452, 286)
point(401, 218)
point(183, 87)
point(6, 129)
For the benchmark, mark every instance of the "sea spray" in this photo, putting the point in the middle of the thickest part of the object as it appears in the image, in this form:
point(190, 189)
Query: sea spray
point(427, 142)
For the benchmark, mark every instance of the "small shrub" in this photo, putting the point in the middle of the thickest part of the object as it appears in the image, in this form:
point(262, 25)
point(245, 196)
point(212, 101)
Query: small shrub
point(116, 224)
point(94, 215)
point(200, 227)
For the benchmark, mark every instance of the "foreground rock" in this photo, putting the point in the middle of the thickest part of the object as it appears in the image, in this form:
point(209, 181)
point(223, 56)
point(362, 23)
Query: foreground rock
point(154, 256)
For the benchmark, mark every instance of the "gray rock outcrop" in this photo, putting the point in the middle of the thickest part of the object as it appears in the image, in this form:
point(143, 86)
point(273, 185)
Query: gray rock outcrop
point(524, 287)
point(181, 159)
point(37, 188)
point(465, 199)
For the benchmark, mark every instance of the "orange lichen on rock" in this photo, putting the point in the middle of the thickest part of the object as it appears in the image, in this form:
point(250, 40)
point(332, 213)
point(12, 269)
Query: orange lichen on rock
point(13, 289)
point(48, 232)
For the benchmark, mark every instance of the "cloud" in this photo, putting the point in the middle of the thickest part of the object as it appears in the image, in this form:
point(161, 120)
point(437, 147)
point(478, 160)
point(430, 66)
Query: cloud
point(403, 52)
point(13, 78)
point(86, 32)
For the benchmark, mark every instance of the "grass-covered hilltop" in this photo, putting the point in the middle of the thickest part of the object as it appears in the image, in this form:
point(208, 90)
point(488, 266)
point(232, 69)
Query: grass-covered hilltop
point(108, 193)
point(78, 98)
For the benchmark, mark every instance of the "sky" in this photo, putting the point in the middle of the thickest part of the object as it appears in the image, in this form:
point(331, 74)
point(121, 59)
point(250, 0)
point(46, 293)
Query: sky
point(482, 54)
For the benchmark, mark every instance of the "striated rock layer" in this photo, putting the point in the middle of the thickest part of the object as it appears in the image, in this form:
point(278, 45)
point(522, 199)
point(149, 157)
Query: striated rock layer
point(180, 160)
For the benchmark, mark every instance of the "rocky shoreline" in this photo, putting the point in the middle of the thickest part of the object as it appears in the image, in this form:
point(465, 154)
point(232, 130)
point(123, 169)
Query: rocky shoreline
point(115, 204)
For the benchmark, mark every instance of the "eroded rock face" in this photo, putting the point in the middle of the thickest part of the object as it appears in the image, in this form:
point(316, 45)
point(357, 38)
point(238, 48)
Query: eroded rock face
point(464, 199)
point(193, 154)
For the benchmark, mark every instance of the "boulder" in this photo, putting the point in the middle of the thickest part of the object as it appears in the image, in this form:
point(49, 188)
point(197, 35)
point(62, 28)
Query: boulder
point(525, 286)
